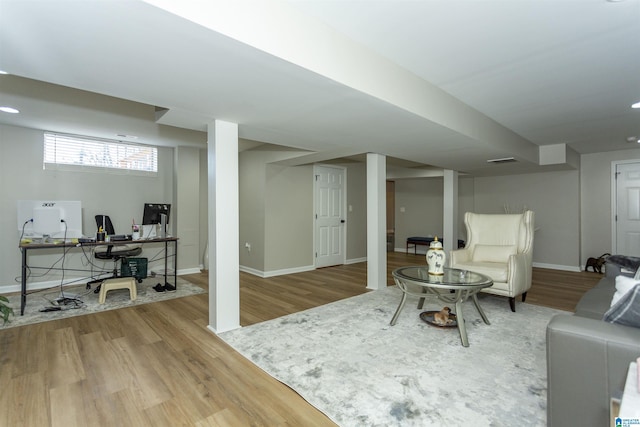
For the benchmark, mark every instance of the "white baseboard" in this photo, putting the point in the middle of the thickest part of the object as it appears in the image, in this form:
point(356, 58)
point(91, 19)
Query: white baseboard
point(557, 267)
point(194, 270)
point(273, 273)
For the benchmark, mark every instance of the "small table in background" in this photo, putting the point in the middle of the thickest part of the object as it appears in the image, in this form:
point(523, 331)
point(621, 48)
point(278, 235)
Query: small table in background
point(454, 287)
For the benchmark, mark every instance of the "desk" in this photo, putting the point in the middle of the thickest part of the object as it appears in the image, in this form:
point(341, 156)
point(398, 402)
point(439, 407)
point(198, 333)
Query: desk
point(25, 248)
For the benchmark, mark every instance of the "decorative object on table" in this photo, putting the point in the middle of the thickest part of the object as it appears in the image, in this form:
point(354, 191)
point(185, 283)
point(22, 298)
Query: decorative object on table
point(135, 232)
point(442, 317)
point(596, 263)
point(436, 257)
point(429, 317)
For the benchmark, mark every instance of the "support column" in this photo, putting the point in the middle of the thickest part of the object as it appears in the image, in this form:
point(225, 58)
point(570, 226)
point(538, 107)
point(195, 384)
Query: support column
point(187, 212)
point(376, 221)
point(450, 213)
point(224, 262)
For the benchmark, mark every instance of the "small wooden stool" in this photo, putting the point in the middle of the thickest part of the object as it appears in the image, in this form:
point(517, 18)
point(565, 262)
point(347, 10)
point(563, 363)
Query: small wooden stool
point(119, 283)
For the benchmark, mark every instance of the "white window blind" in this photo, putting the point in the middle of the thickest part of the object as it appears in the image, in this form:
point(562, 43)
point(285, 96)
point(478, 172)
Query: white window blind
point(89, 152)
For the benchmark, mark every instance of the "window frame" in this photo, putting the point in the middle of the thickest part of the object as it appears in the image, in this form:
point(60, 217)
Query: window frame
point(117, 157)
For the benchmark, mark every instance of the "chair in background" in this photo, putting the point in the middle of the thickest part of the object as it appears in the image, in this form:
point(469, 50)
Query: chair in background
point(113, 252)
point(501, 247)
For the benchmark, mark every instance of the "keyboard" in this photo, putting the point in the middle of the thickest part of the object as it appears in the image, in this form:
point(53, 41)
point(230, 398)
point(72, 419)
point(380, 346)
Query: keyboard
point(118, 237)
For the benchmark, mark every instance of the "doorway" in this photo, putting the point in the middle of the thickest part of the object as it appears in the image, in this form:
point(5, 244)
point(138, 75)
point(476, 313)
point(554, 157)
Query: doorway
point(626, 205)
point(329, 215)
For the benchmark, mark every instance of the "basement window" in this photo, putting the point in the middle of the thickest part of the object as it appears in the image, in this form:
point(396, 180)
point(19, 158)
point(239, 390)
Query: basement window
point(72, 152)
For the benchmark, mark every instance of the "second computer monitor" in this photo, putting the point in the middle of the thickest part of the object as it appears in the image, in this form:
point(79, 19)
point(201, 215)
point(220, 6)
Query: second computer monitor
point(152, 213)
point(155, 213)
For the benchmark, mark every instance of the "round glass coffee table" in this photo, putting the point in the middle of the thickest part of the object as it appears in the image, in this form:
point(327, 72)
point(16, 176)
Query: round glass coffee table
point(453, 287)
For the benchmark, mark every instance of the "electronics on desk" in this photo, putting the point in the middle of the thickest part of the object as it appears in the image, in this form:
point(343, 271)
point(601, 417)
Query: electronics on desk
point(155, 215)
point(49, 219)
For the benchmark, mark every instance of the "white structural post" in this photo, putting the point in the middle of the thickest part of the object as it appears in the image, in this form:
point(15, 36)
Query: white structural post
point(450, 213)
point(376, 221)
point(224, 258)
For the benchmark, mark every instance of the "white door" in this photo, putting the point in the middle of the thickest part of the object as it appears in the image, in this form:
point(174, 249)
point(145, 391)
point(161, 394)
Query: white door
point(330, 216)
point(627, 215)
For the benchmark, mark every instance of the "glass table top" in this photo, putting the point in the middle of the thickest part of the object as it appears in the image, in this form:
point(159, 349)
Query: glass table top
point(452, 277)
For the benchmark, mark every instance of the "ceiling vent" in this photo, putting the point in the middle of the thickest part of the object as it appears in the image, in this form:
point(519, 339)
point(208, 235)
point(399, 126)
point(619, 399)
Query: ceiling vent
point(502, 160)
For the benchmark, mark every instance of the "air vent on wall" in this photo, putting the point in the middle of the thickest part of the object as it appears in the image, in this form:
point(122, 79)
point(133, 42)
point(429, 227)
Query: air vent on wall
point(502, 160)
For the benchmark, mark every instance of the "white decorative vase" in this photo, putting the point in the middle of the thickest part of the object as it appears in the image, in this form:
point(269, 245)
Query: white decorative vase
point(436, 258)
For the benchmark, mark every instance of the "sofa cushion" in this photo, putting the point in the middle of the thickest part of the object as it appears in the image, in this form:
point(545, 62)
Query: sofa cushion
point(627, 310)
point(623, 285)
point(492, 253)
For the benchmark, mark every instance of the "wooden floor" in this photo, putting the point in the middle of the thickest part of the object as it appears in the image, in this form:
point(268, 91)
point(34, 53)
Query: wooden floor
point(157, 364)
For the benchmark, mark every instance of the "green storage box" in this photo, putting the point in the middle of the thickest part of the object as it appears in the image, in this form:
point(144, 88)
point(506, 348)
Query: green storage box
point(134, 267)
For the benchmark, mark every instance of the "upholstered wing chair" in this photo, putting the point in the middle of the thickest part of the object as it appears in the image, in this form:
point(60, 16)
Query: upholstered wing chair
point(501, 247)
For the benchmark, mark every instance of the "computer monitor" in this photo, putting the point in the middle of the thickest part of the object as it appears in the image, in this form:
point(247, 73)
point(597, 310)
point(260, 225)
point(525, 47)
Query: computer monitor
point(152, 212)
point(53, 218)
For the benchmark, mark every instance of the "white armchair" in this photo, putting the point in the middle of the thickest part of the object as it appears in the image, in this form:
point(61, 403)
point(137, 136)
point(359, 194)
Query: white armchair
point(501, 247)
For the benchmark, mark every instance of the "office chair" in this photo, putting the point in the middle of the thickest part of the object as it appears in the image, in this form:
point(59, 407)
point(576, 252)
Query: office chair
point(112, 252)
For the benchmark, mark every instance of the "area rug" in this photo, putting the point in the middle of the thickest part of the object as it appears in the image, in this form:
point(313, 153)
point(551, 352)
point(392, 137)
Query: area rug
point(346, 360)
point(86, 301)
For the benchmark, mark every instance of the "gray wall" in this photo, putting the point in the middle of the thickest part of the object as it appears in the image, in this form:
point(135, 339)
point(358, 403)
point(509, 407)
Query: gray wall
point(555, 199)
point(357, 214)
point(553, 196)
point(288, 217)
point(276, 213)
point(595, 178)
point(22, 177)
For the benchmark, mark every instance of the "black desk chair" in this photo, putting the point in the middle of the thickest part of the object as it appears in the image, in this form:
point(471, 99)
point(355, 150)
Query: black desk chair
point(112, 252)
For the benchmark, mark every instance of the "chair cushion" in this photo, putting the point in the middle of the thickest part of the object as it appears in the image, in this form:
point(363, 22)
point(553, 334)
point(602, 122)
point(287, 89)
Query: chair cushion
point(496, 270)
point(493, 253)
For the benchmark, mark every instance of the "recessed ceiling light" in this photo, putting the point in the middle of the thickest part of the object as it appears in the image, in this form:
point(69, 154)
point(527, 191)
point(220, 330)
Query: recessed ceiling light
point(9, 110)
point(3, 72)
point(636, 105)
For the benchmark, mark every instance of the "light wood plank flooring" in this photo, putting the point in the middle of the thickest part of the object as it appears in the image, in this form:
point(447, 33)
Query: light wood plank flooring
point(157, 364)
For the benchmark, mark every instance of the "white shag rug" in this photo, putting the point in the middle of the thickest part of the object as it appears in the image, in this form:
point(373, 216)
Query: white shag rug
point(346, 360)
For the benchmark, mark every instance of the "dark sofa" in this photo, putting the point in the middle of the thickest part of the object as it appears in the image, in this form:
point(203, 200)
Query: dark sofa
point(588, 358)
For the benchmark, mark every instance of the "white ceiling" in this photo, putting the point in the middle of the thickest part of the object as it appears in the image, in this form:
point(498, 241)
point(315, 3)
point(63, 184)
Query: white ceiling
point(449, 83)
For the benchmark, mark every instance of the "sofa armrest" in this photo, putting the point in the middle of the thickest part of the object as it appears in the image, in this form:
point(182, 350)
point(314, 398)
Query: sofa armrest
point(587, 363)
point(612, 270)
